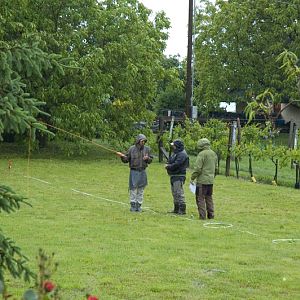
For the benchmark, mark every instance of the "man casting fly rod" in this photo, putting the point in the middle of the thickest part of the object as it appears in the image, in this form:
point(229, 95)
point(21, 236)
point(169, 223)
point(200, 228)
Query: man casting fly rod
point(138, 156)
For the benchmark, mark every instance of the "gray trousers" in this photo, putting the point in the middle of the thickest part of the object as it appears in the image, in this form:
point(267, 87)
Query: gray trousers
point(136, 195)
point(178, 192)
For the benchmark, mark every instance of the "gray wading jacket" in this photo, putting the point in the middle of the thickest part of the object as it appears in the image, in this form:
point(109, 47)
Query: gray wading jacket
point(136, 153)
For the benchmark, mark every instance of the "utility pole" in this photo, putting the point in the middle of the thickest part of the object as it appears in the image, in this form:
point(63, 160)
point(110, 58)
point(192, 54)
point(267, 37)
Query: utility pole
point(189, 80)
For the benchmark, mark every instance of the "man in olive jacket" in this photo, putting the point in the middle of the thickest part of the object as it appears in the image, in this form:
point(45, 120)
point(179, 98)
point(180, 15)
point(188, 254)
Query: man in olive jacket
point(138, 156)
point(204, 174)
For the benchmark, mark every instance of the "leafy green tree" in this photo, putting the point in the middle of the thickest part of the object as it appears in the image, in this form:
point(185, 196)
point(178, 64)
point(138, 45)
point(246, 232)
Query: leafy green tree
point(21, 60)
point(190, 132)
point(114, 53)
point(289, 61)
point(11, 258)
point(264, 103)
point(236, 48)
point(171, 94)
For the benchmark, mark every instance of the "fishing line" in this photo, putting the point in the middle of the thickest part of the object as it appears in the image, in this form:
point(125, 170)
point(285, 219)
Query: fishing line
point(62, 130)
point(80, 137)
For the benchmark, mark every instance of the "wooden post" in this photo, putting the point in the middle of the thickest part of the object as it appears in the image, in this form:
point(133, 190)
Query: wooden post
point(297, 184)
point(160, 142)
point(189, 80)
point(237, 159)
point(293, 139)
point(228, 158)
point(290, 140)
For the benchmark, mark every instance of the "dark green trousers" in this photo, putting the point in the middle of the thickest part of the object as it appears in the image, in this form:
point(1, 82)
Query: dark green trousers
point(204, 201)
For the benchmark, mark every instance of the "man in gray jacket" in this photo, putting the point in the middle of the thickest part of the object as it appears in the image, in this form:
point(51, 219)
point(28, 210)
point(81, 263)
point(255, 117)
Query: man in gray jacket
point(138, 156)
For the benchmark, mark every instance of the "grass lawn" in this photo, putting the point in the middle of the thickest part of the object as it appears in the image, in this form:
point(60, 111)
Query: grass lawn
point(80, 211)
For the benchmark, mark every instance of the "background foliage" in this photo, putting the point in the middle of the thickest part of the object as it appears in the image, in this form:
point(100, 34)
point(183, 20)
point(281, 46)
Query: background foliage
point(236, 48)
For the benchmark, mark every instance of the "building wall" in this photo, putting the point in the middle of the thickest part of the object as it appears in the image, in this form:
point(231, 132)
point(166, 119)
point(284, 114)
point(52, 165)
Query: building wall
point(291, 113)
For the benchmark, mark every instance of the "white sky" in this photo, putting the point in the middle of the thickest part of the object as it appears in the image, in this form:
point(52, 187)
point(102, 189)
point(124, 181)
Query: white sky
point(177, 12)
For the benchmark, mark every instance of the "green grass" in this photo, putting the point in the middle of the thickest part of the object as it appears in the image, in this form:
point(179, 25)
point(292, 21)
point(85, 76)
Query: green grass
point(105, 250)
point(263, 172)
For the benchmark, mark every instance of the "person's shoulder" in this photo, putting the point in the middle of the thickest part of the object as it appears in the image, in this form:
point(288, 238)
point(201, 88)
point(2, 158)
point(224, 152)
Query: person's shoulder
point(132, 147)
point(214, 153)
point(184, 152)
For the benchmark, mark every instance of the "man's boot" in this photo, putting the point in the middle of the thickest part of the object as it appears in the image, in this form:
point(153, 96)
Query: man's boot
point(138, 207)
point(202, 214)
point(175, 210)
point(182, 209)
point(210, 216)
point(132, 206)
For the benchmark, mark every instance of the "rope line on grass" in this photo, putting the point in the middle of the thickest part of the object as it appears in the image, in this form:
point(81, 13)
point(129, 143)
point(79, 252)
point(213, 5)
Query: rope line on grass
point(285, 240)
point(37, 179)
point(102, 198)
point(217, 225)
point(123, 203)
point(65, 131)
point(220, 225)
point(112, 201)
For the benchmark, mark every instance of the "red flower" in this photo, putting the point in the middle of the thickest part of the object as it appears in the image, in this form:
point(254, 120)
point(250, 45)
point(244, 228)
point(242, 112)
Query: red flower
point(92, 298)
point(48, 286)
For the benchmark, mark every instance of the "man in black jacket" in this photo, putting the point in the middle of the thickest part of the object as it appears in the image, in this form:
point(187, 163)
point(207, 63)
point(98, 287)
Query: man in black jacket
point(176, 168)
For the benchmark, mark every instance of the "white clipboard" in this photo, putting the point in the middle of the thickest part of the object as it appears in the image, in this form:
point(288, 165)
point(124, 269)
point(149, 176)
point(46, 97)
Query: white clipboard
point(192, 188)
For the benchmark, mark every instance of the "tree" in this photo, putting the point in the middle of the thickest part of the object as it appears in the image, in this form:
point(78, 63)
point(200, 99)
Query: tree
point(21, 59)
point(264, 103)
point(115, 53)
point(171, 94)
point(11, 257)
point(236, 49)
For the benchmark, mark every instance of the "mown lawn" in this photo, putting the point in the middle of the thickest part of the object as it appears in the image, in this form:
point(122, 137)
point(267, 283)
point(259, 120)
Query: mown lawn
point(80, 211)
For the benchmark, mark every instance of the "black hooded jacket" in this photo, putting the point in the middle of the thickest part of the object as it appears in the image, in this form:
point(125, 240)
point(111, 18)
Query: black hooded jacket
point(179, 161)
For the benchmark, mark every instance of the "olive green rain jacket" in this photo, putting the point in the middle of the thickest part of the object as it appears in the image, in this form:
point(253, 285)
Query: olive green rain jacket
point(206, 164)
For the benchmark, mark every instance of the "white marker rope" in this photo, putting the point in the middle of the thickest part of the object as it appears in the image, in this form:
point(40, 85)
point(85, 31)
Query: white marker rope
point(285, 240)
point(37, 179)
point(244, 231)
point(217, 225)
point(150, 209)
point(105, 199)
point(180, 217)
point(214, 225)
point(215, 271)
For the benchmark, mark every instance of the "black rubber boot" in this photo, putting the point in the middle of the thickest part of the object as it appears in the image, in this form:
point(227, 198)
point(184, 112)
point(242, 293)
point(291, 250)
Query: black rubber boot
point(138, 207)
point(132, 206)
point(182, 209)
point(210, 216)
point(175, 210)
